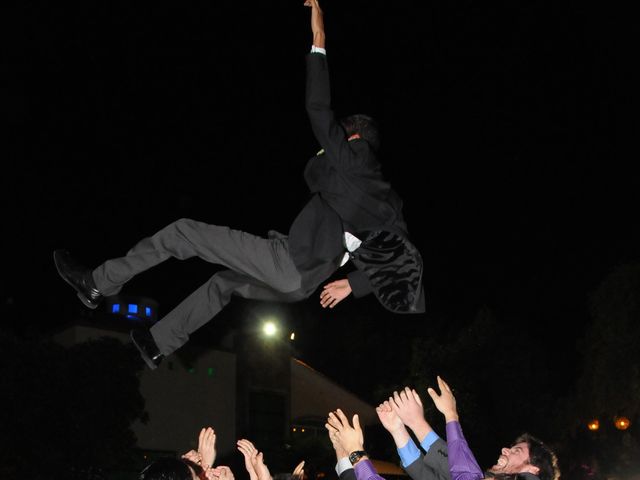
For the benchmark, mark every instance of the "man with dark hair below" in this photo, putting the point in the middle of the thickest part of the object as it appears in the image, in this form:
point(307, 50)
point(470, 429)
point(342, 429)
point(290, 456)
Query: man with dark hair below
point(526, 459)
point(353, 214)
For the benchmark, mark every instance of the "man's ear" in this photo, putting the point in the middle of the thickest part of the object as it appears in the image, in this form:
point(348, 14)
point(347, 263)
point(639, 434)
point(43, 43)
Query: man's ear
point(532, 469)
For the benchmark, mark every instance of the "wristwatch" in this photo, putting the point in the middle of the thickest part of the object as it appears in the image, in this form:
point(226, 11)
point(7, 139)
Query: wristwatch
point(357, 455)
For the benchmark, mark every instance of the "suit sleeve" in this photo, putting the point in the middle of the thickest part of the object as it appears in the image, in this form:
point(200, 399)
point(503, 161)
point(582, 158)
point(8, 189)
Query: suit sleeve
point(434, 465)
point(326, 128)
point(348, 474)
point(359, 284)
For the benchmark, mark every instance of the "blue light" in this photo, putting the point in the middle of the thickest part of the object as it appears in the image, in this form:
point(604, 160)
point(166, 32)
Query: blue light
point(115, 308)
point(133, 308)
point(133, 317)
point(147, 311)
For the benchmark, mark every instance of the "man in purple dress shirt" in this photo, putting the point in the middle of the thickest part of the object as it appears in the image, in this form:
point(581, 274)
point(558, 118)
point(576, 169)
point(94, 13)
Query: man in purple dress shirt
point(528, 458)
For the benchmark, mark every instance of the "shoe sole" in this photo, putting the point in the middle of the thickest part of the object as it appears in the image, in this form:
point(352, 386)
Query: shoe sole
point(85, 301)
point(146, 359)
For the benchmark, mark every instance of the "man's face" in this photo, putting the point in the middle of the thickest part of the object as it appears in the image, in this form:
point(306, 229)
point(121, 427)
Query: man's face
point(514, 460)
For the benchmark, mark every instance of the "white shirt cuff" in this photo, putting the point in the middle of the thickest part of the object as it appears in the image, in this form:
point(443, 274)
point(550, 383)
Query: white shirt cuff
point(342, 465)
point(321, 50)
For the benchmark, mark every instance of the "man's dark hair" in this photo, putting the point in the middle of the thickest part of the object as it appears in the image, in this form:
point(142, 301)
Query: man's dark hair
point(166, 469)
point(363, 125)
point(541, 456)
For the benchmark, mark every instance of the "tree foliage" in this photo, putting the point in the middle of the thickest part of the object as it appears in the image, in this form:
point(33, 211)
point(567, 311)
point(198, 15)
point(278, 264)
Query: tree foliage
point(67, 412)
point(499, 380)
point(609, 384)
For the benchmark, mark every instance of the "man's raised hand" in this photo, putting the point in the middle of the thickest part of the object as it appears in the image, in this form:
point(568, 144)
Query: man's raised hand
point(445, 402)
point(207, 447)
point(408, 406)
point(317, 22)
point(388, 417)
point(249, 452)
point(393, 424)
point(298, 472)
point(259, 466)
point(350, 437)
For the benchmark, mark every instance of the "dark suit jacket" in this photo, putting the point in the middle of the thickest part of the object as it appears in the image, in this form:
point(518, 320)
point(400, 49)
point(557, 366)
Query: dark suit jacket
point(348, 474)
point(348, 193)
point(434, 465)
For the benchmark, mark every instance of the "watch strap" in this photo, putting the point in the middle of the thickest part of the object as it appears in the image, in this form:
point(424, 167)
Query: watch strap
point(357, 455)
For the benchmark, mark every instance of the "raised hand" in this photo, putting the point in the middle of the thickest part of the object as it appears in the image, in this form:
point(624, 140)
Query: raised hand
point(334, 292)
point(445, 402)
point(259, 466)
point(207, 447)
point(393, 424)
point(350, 437)
point(408, 406)
point(317, 22)
point(249, 452)
point(298, 472)
point(337, 446)
point(389, 419)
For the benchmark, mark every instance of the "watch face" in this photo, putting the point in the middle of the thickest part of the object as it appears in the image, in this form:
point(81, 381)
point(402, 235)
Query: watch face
point(357, 455)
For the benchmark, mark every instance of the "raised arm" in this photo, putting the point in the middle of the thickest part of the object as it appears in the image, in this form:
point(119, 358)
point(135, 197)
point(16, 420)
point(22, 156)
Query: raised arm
point(249, 452)
point(351, 438)
point(344, 469)
point(327, 130)
point(207, 447)
point(434, 465)
point(393, 424)
point(317, 23)
point(462, 462)
point(408, 405)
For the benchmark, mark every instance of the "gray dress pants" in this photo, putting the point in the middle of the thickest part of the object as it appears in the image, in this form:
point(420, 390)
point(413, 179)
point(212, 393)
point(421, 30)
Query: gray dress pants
point(258, 268)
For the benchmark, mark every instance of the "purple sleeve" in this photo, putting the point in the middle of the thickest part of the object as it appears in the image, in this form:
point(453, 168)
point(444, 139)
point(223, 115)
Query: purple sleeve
point(365, 471)
point(462, 463)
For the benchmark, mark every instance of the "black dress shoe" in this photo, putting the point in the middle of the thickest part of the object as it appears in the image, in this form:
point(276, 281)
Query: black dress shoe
point(145, 343)
point(79, 277)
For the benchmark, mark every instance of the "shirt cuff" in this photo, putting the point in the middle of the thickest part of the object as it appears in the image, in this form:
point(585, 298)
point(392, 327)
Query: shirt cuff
point(429, 440)
point(343, 465)
point(321, 50)
point(409, 453)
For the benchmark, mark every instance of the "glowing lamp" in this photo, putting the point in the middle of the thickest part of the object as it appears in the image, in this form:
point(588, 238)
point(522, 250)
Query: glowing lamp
point(270, 329)
point(593, 425)
point(622, 423)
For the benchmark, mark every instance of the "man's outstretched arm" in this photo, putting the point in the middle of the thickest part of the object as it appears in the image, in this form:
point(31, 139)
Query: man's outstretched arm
point(434, 465)
point(327, 130)
point(462, 462)
point(317, 23)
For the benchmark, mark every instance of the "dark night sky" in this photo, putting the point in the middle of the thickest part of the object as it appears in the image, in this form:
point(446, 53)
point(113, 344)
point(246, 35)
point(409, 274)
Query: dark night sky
point(507, 129)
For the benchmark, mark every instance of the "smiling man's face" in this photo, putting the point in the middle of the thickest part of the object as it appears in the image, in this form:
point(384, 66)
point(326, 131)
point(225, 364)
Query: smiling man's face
point(514, 460)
